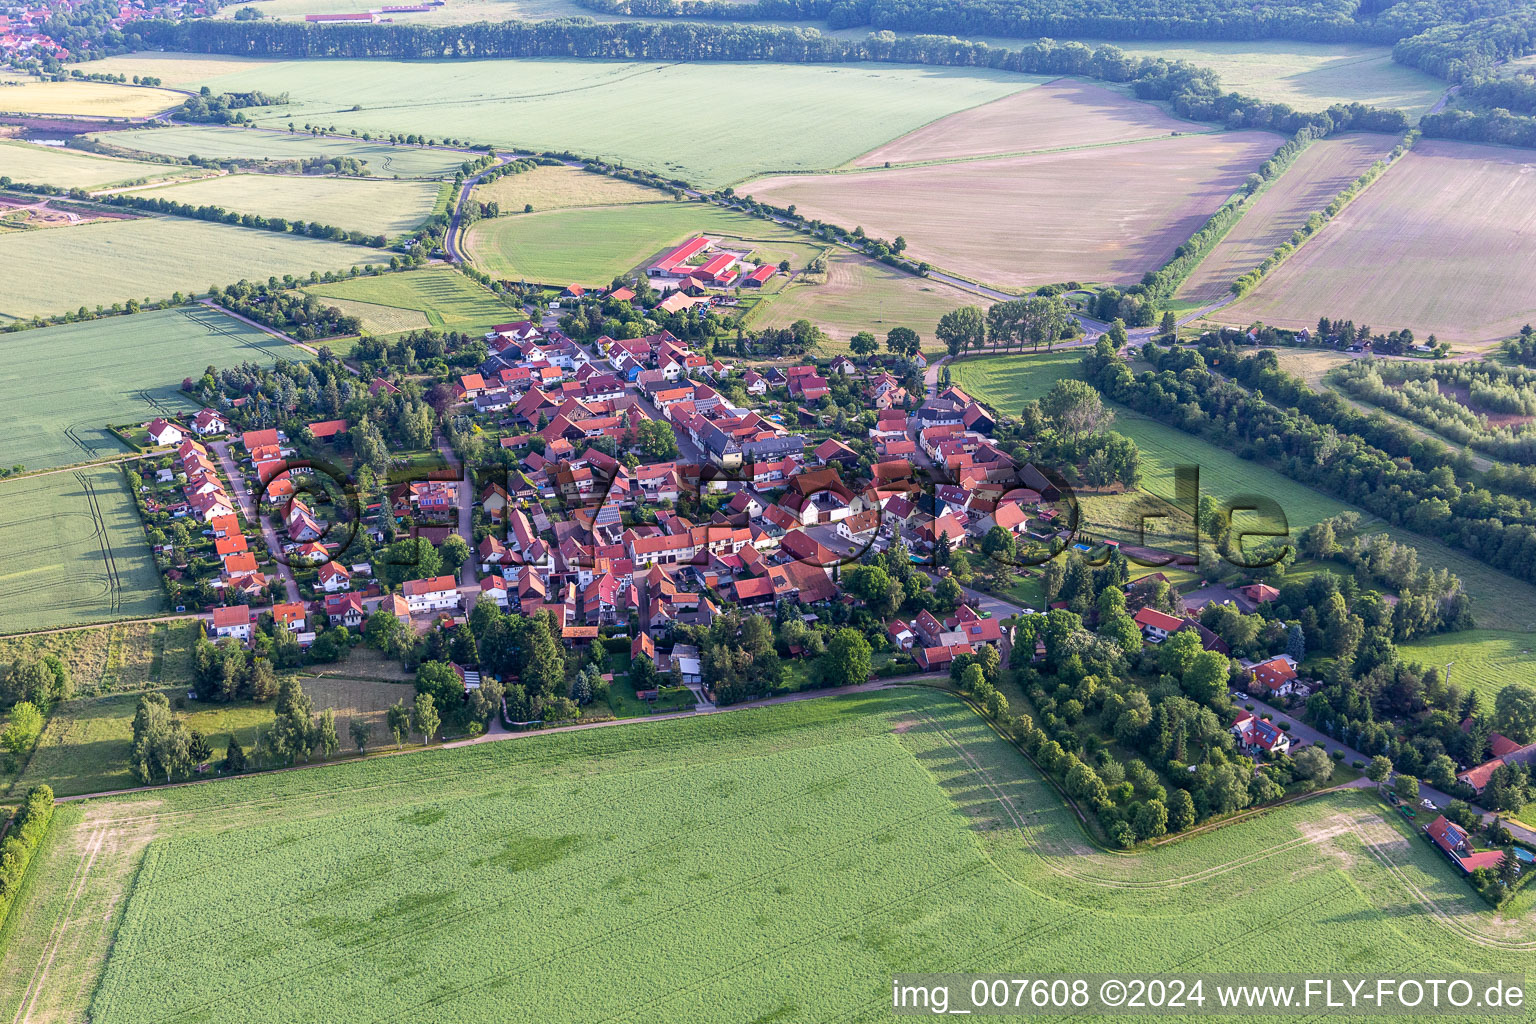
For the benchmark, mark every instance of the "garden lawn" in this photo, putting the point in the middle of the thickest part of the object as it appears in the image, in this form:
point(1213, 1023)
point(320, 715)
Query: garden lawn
point(445, 299)
point(387, 208)
point(67, 168)
point(379, 159)
point(824, 845)
point(800, 116)
point(74, 552)
point(62, 269)
point(593, 245)
point(60, 387)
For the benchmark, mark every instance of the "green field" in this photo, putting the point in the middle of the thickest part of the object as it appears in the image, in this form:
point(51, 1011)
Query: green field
point(1486, 660)
point(386, 208)
point(859, 294)
point(61, 386)
point(592, 245)
point(61, 269)
point(74, 552)
point(380, 159)
point(1008, 382)
point(802, 117)
point(821, 846)
point(67, 168)
point(444, 299)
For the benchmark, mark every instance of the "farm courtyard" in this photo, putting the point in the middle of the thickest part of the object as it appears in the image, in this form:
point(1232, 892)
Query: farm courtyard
point(838, 840)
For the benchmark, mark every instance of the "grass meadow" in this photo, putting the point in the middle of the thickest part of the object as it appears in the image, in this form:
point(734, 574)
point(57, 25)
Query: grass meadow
point(1097, 214)
point(591, 246)
point(60, 387)
point(445, 299)
point(380, 159)
point(559, 188)
point(1306, 187)
point(803, 117)
point(1486, 660)
point(62, 269)
point(1452, 266)
point(859, 294)
point(82, 99)
point(821, 845)
point(386, 208)
point(74, 552)
point(67, 168)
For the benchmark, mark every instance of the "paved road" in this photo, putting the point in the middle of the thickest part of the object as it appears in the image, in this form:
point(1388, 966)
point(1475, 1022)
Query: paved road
point(468, 582)
point(248, 508)
point(450, 238)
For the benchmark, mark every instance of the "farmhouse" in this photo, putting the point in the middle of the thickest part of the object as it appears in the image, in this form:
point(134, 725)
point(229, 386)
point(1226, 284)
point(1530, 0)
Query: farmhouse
point(674, 263)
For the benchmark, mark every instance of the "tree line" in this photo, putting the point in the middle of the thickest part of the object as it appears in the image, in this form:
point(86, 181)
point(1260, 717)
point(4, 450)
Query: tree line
point(1322, 441)
point(1194, 92)
point(28, 826)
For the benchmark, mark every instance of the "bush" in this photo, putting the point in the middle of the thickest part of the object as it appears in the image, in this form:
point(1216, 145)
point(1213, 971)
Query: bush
point(1285, 726)
point(28, 827)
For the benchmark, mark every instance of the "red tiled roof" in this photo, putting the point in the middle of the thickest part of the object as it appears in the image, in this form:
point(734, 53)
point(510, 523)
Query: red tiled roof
point(1158, 620)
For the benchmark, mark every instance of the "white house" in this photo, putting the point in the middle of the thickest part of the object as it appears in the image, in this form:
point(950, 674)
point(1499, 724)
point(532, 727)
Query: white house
point(231, 622)
point(431, 595)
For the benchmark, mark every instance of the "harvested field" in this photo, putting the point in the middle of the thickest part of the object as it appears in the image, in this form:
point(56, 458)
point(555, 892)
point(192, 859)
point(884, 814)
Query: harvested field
point(379, 159)
point(382, 207)
point(556, 188)
point(68, 168)
point(1063, 114)
point(74, 552)
point(1309, 185)
point(862, 295)
point(61, 386)
point(83, 99)
point(176, 70)
point(1086, 214)
point(1440, 244)
point(103, 263)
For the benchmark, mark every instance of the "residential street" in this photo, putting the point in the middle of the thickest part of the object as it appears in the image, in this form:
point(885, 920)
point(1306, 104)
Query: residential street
point(469, 583)
point(248, 510)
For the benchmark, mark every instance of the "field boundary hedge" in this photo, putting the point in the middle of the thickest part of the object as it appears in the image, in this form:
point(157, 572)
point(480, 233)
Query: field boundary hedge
point(1321, 219)
point(26, 830)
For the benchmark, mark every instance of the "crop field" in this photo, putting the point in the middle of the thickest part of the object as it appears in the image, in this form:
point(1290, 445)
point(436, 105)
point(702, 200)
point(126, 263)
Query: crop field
point(1063, 114)
point(1438, 244)
point(592, 245)
point(60, 387)
point(175, 70)
point(74, 552)
point(1308, 76)
point(380, 159)
point(1085, 214)
point(83, 99)
point(446, 299)
point(838, 840)
point(557, 188)
point(68, 168)
point(1307, 186)
point(152, 257)
point(804, 117)
point(386, 208)
point(863, 295)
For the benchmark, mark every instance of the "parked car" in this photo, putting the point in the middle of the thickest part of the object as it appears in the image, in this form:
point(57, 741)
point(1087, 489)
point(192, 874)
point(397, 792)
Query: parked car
point(1428, 805)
